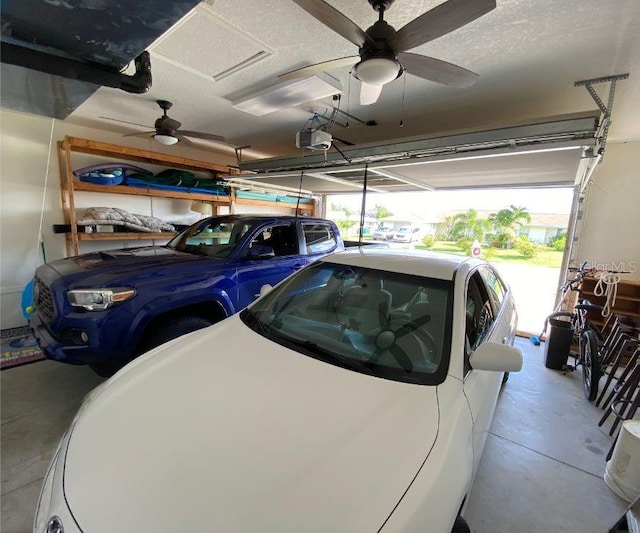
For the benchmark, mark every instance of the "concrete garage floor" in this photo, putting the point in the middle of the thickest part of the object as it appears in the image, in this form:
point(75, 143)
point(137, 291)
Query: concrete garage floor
point(541, 470)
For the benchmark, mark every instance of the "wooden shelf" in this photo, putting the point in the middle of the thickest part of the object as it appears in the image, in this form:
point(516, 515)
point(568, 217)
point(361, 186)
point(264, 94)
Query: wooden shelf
point(627, 300)
point(69, 185)
point(141, 191)
point(86, 146)
point(126, 236)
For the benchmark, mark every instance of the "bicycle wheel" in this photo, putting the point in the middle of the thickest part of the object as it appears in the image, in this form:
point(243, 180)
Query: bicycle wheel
point(590, 364)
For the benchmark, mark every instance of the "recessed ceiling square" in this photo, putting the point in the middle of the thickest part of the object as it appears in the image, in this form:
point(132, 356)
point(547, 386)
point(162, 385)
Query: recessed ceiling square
point(197, 42)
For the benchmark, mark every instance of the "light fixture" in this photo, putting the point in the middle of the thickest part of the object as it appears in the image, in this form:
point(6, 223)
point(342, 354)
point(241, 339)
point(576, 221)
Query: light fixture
point(204, 208)
point(289, 93)
point(377, 70)
point(165, 139)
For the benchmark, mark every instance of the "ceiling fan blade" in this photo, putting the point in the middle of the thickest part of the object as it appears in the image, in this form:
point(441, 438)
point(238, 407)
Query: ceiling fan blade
point(439, 21)
point(433, 69)
point(331, 17)
point(125, 122)
point(200, 135)
point(141, 134)
point(319, 67)
point(369, 93)
point(183, 139)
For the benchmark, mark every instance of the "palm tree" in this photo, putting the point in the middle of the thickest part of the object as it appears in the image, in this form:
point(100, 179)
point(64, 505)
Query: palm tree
point(510, 219)
point(468, 225)
point(506, 222)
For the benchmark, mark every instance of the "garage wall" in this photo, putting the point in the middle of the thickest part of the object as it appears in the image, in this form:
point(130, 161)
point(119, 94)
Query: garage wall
point(30, 199)
point(610, 232)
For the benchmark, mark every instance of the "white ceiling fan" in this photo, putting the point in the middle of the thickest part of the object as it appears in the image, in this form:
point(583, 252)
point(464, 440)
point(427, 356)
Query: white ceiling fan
point(382, 53)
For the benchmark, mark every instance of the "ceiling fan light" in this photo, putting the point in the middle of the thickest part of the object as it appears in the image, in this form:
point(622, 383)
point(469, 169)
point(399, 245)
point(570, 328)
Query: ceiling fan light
point(377, 70)
point(167, 140)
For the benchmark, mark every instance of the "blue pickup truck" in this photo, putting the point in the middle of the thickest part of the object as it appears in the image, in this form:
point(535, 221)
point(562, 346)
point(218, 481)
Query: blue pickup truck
point(106, 308)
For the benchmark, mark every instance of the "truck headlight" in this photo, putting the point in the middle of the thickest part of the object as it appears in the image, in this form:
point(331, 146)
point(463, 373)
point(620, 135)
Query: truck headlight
point(99, 299)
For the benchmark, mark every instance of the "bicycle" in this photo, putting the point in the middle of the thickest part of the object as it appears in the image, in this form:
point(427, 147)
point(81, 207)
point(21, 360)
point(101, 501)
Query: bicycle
point(586, 335)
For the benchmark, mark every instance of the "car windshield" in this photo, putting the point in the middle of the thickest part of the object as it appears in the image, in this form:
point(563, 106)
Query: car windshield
point(390, 325)
point(212, 237)
point(403, 230)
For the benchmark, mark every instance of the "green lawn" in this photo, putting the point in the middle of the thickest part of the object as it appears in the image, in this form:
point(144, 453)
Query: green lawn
point(547, 258)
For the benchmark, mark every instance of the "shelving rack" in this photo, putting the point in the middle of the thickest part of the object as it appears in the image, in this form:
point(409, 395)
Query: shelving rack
point(69, 186)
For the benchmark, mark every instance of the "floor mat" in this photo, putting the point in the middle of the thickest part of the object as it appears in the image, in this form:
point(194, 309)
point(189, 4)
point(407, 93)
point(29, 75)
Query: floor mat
point(19, 348)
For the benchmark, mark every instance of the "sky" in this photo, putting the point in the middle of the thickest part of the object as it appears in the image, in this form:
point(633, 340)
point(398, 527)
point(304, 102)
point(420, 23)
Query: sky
point(549, 200)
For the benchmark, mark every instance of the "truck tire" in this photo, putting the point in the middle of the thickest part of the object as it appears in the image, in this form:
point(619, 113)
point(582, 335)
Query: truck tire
point(167, 329)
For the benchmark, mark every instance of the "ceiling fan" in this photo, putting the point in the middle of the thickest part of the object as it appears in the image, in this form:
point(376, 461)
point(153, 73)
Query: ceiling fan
point(382, 49)
point(167, 130)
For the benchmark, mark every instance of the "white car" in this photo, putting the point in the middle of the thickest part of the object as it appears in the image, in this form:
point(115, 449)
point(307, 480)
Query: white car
point(407, 234)
point(383, 234)
point(354, 396)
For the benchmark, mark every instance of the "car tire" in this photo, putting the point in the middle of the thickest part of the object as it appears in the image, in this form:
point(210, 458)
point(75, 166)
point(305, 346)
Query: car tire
point(460, 526)
point(168, 329)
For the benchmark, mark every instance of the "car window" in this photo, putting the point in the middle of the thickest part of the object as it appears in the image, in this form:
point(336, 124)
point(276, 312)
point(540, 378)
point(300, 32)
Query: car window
point(390, 325)
point(479, 316)
point(274, 241)
point(213, 237)
point(319, 238)
point(495, 287)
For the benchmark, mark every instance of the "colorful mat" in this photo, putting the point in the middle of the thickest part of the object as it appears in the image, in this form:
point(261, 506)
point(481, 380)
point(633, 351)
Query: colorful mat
point(18, 348)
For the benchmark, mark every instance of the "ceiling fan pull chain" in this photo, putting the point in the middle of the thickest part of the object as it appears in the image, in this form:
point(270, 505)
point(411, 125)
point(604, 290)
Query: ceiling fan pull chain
point(404, 86)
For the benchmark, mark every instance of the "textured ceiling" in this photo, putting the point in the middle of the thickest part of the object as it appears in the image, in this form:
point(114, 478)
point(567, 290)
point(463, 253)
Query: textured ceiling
point(528, 55)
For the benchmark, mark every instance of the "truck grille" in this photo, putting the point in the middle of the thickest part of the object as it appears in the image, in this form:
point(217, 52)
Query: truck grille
point(43, 301)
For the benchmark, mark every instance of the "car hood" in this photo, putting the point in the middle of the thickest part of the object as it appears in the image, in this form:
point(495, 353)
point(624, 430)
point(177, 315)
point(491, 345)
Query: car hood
point(224, 430)
point(114, 264)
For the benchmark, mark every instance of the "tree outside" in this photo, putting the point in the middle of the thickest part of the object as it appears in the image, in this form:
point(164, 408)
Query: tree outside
point(469, 225)
point(506, 223)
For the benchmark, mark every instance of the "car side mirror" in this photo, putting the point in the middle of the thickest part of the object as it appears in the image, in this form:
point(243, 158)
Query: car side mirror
point(496, 357)
point(260, 251)
point(266, 288)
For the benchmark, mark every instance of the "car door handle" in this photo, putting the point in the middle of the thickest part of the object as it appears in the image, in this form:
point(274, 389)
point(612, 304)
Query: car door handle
point(504, 340)
point(297, 266)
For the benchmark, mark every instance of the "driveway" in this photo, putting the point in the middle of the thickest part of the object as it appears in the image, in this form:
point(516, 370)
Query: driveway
point(534, 289)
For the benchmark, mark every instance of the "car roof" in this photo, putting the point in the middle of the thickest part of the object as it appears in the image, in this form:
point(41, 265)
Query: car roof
point(266, 218)
point(417, 262)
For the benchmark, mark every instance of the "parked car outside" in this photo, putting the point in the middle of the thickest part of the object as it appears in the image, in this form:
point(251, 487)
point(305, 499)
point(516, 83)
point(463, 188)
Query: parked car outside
point(407, 234)
point(105, 308)
point(354, 396)
point(383, 234)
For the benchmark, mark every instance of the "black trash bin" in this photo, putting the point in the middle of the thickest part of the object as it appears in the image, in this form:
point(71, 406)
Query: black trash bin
point(558, 345)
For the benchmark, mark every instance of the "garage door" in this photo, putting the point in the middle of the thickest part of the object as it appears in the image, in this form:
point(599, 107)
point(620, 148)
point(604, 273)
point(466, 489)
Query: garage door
point(544, 153)
point(558, 152)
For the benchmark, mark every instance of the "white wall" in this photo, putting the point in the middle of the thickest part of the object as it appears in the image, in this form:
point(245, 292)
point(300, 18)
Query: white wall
point(611, 228)
point(30, 198)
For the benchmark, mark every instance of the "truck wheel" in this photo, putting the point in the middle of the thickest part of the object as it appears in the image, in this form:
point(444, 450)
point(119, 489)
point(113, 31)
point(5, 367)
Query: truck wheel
point(165, 330)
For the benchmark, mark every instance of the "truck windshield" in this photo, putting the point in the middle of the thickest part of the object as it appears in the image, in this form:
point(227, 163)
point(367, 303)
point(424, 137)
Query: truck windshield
point(212, 237)
point(390, 325)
